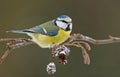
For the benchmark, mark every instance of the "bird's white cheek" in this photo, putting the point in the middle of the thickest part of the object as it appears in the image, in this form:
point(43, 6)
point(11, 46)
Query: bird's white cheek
point(61, 24)
point(70, 26)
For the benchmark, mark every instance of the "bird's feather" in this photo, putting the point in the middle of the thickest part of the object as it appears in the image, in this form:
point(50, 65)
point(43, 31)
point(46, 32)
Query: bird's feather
point(47, 28)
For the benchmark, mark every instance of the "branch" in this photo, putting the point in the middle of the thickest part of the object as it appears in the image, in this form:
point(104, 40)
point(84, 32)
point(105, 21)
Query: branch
point(77, 40)
point(94, 41)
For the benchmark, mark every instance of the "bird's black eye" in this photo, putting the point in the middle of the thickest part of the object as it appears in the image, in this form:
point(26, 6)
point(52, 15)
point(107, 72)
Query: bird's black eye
point(64, 21)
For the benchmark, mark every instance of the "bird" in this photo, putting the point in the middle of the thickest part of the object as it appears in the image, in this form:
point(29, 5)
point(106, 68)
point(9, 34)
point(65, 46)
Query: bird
point(50, 33)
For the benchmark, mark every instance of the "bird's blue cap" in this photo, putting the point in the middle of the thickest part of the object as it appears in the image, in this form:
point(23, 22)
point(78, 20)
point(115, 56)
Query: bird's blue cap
point(63, 16)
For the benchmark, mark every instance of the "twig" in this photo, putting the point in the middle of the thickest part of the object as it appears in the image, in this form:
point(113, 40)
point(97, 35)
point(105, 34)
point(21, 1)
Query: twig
point(84, 51)
point(11, 39)
point(94, 41)
point(13, 43)
point(6, 53)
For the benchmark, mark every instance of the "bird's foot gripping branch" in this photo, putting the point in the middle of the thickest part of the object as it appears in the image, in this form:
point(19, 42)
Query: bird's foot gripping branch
point(59, 51)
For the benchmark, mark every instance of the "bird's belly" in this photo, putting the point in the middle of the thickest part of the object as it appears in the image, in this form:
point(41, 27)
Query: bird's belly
point(48, 41)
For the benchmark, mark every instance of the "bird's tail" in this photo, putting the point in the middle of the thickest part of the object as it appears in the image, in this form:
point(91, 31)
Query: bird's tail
point(20, 31)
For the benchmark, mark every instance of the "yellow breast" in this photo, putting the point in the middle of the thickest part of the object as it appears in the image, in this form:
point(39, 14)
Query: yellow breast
point(47, 41)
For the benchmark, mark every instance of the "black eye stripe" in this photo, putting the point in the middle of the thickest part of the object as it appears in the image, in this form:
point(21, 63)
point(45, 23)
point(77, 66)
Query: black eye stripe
point(64, 21)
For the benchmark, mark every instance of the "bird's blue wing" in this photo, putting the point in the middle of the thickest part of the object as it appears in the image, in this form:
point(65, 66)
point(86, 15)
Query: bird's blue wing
point(48, 28)
point(44, 31)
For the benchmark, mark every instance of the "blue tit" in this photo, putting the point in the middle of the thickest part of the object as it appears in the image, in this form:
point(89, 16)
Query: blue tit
point(51, 33)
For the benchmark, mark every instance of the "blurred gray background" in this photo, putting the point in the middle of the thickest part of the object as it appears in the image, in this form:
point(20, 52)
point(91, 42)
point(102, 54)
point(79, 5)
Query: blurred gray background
point(95, 18)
